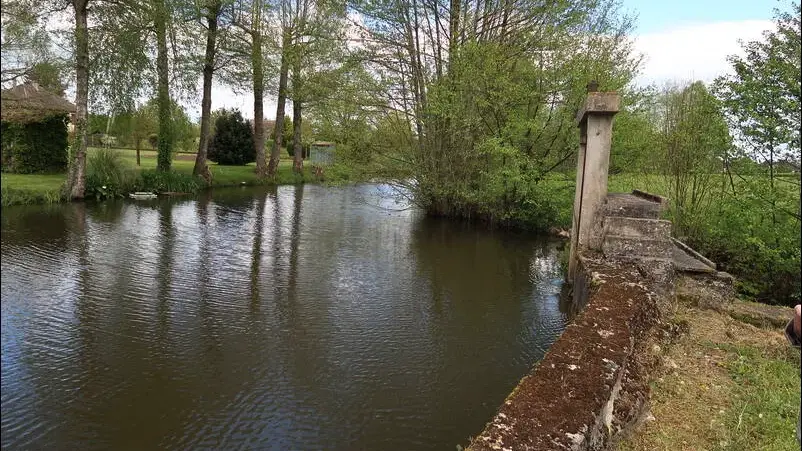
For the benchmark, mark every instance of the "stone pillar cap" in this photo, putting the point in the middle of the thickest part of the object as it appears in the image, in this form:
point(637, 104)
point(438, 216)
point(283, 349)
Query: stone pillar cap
point(602, 103)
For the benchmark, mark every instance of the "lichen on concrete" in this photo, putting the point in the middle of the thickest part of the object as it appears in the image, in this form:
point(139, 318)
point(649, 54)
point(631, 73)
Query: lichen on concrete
point(589, 387)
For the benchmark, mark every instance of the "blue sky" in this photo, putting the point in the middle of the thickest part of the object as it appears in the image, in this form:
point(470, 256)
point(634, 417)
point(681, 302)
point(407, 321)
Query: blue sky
point(660, 15)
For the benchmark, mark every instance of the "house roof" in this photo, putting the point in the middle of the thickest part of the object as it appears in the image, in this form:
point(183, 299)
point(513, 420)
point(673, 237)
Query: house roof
point(28, 102)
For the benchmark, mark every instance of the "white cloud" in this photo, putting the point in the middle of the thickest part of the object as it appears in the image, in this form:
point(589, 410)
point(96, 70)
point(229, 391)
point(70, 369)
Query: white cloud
point(694, 51)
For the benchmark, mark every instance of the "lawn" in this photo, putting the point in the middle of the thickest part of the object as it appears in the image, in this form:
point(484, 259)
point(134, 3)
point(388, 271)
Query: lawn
point(40, 188)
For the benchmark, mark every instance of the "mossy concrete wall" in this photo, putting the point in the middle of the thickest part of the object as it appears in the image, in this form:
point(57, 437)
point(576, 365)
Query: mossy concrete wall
point(591, 386)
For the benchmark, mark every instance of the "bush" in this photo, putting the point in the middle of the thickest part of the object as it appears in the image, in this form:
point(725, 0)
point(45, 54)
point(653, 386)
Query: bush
point(35, 147)
point(168, 182)
point(304, 149)
point(108, 175)
point(764, 256)
point(232, 143)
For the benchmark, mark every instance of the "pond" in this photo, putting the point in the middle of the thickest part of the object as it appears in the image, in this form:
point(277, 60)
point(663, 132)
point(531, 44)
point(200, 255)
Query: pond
point(297, 317)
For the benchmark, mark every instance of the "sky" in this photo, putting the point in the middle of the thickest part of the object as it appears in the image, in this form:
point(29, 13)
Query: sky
point(686, 40)
point(681, 40)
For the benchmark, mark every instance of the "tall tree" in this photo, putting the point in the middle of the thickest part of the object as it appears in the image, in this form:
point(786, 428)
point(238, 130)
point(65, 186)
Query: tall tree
point(25, 40)
point(695, 139)
point(165, 146)
point(281, 102)
point(211, 13)
point(76, 180)
point(490, 99)
point(249, 18)
point(762, 101)
point(48, 76)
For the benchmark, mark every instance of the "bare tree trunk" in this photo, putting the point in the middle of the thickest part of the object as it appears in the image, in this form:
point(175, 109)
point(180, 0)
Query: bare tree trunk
point(206, 104)
point(297, 159)
point(165, 144)
point(138, 145)
point(76, 182)
point(275, 154)
point(109, 121)
point(258, 92)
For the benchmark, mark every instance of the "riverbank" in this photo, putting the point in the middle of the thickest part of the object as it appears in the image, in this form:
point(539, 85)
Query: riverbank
point(724, 384)
point(27, 189)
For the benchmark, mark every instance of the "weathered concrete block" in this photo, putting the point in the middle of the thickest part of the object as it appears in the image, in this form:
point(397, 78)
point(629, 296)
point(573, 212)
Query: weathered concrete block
point(714, 290)
point(632, 206)
point(656, 229)
point(615, 246)
point(599, 103)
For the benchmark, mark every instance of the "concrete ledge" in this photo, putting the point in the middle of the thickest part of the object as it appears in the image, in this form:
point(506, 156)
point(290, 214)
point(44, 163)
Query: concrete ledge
point(591, 386)
point(689, 250)
point(599, 103)
point(649, 196)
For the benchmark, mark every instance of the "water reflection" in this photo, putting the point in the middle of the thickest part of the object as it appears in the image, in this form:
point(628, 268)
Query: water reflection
point(302, 317)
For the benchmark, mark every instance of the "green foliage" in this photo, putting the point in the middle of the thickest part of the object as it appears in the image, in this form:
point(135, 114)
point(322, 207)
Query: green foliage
point(153, 140)
point(168, 182)
point(762, 97)
point(304, 148)
point(491, 116)
point(635, 133)
point(108, 175)
point(232, 143)
point(694, 141)
point(47, 75)
point(35, 147)
point(764, 254)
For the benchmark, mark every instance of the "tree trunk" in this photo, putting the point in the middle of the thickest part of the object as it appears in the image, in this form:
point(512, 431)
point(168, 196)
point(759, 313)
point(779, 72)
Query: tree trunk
point(206, 103)
point(258, 101)
point(165, 140)
point(298, 157)
point(76, 182)
point(138, 145)
point(275, 153)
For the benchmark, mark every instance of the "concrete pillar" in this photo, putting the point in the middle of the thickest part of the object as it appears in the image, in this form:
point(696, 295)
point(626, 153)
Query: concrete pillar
point(595, 122)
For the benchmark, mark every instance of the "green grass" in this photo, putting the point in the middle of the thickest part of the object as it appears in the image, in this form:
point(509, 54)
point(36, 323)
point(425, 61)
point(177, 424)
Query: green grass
point(30, 188)
point(722, 385)
point(766, 398)
point(37, 188)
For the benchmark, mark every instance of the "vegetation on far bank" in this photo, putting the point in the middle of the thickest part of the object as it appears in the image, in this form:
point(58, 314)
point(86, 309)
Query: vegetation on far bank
point(121, 176)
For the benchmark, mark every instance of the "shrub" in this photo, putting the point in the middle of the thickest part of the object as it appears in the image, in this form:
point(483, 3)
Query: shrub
point(108, 175)
point(168, 182)
point(35, 147)
point(232, 143)
point(153, 140)
point(304, 149)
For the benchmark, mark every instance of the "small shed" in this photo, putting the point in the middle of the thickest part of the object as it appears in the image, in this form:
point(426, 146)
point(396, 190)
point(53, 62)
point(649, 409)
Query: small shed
point(33, 129)
point(28, 103)
point(322, 152)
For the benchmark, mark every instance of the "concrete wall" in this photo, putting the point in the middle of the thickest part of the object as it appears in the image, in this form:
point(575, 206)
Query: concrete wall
point(591, 387)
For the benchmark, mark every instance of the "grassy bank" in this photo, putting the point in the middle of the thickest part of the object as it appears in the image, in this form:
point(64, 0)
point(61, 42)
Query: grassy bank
point(724, 385)
point(20, 189)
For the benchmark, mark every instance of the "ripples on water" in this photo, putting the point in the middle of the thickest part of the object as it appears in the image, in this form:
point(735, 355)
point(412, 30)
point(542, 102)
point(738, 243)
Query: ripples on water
point(295, 318)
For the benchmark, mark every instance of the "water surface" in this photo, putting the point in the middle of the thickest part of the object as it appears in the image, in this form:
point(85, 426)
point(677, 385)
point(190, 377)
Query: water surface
point(303, 317)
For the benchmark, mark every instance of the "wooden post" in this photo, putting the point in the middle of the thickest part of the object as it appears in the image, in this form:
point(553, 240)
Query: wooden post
point(595, 122)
